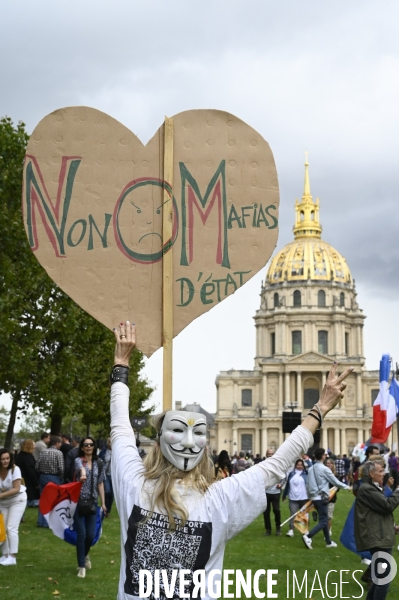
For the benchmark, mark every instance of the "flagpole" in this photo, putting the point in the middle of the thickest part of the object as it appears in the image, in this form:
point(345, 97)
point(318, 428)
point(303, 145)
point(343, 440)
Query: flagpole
point(396, 373)
point(167, 268)
point(306, 508)
point(292, 516)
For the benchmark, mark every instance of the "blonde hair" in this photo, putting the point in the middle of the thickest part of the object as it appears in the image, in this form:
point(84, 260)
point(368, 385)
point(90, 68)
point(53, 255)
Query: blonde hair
point(165, 475)
point(28, 446)
point(330, 460)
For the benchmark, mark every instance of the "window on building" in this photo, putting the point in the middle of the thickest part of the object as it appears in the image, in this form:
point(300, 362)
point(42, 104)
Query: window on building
point(321, 298)
point(276, 300)
point(310, 397)
point(297, 298)
point(347, 343)
point(296, 342)
point(342, 299)
point(246, 442)
point(374, 394)
point(246, 397)
point(273, 343)
point(323, 342)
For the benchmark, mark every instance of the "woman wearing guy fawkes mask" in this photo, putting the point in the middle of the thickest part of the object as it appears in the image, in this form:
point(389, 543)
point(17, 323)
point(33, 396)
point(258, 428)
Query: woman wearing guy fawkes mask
point(173, 516)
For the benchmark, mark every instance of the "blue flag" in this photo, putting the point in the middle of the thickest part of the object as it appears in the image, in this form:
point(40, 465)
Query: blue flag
point(394, 391)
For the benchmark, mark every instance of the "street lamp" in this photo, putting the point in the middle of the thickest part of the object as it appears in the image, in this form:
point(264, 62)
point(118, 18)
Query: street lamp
point(73, 420)
point(229, 442)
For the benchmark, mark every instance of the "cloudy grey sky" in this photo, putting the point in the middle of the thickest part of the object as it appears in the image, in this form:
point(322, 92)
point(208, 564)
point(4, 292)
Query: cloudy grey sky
point(316, 76)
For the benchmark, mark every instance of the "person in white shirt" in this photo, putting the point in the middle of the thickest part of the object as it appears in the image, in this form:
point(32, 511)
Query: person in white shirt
point(296, 491)
point(172, 516)
point(12, 505)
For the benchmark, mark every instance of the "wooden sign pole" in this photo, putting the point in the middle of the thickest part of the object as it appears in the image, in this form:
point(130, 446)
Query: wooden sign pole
point(167, 268)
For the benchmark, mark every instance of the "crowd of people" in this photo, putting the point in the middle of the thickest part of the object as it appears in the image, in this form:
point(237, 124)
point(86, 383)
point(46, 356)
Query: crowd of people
point(312, 477)
point(175, 485)
point(62, 459)
point(57, 459)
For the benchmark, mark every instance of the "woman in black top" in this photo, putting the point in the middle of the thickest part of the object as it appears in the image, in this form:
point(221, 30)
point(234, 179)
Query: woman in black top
point(26, 462)
point(88, 469)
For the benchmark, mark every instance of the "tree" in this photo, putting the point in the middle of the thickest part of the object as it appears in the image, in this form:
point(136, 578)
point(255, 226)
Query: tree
point(33, 425)
point(74, 363)
point(21, 279)
point(55, 357)
point(3, 423)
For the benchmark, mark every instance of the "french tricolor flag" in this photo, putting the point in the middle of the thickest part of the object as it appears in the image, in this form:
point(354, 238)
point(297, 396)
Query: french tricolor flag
point(384, 407)
point(58, 505)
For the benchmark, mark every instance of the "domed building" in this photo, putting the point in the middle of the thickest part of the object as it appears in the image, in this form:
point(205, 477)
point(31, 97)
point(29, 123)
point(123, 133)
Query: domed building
point(308, 318)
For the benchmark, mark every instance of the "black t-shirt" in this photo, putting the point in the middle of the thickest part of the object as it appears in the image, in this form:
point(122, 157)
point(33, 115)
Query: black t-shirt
point(65, 448)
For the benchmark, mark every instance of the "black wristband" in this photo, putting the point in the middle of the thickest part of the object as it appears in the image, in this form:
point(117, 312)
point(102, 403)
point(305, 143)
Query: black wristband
point(119, 373)
point(314, 416)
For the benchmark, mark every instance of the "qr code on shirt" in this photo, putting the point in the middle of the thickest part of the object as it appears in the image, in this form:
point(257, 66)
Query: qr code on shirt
point(154, 547)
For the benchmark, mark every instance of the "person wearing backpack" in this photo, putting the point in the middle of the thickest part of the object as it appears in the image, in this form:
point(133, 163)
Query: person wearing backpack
point(241, 464)
point(319, 478)
point(89, 470)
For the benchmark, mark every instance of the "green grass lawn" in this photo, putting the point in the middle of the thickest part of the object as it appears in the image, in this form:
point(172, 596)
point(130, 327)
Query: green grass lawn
point(47, 566)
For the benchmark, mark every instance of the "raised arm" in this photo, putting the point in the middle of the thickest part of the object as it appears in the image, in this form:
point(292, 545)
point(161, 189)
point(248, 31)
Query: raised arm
point(334, 481)
point(275, 468)
point(125, 457)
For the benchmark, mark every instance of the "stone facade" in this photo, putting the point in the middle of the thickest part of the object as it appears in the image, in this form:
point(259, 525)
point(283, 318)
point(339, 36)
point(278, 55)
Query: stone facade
point(308, 318)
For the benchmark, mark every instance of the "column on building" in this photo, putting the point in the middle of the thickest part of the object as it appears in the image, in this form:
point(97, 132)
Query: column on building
point(235, 439)
point(315, 346)
point(323, 379)
point(280, 337)
point(235, 394)
point(343, 336)
point(287, 388)
point(258, 393)
point(284, 337)
point(280, 390)
point(280, 436)
point(299, 388)
point(359, 390)
point(337, 445)
point(324, 439)
point(257, 441)
point(307, 344)
point(264, 390)
point(359, 340)
point(344, 449)
point(264, 440)
point(336, 338)
point(360, 439)
point(259, 338)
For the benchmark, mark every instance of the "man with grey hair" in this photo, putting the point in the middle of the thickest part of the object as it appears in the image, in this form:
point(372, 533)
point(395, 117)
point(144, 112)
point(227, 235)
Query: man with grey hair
point(374, 523)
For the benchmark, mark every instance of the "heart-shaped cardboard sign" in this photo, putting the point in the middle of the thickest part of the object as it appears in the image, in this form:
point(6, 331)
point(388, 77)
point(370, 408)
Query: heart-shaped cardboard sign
point(93, 202)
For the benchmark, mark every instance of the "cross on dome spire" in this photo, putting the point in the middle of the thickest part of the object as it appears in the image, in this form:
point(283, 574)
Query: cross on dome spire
point(307, 222)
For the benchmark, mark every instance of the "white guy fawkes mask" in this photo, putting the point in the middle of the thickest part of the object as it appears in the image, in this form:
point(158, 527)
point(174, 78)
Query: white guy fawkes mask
point(183, 438)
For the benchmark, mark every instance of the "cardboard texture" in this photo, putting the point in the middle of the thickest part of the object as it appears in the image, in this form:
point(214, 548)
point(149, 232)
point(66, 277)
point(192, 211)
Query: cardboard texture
point(92, 207)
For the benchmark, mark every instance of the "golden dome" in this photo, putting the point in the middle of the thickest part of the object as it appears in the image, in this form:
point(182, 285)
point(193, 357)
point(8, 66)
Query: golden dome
point(308, 256)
